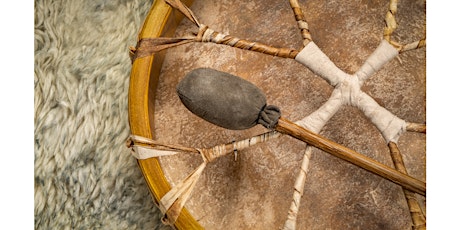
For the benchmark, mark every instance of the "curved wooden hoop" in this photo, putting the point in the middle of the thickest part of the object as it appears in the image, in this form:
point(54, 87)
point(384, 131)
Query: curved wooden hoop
point(145, 72)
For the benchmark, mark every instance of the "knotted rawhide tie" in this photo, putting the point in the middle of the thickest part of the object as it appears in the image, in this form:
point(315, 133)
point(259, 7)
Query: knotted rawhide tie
point(174, 200)
point(390, 27)
point(234, 103)
point(149, 46)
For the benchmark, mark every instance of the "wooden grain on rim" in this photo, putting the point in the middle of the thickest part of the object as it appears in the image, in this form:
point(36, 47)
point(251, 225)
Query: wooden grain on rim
point(143, 83)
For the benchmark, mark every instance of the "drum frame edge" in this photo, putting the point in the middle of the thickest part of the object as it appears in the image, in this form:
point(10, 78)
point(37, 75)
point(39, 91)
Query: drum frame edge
point(161, 20)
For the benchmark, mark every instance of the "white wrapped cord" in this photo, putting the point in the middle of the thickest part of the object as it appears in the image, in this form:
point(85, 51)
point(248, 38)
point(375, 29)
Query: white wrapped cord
point(348, 89)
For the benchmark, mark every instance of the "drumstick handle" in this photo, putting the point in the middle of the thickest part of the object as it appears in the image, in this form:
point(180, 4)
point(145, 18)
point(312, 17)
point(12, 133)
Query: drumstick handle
point(344, 153)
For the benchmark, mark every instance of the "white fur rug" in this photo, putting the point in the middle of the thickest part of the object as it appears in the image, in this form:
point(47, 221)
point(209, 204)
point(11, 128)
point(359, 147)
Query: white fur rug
point(85, 177)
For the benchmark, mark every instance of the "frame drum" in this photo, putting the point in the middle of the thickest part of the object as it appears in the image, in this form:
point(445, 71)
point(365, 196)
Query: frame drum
point(253, 188)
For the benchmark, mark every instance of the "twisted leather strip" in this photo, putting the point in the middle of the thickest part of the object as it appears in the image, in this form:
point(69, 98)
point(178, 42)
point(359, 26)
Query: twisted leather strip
point(148, 46)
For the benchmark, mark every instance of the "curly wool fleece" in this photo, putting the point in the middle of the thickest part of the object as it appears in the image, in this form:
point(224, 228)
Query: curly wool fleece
point(85, 177)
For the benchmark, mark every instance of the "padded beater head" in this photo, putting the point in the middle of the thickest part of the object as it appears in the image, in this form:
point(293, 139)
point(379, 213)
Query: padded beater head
point(226, 100)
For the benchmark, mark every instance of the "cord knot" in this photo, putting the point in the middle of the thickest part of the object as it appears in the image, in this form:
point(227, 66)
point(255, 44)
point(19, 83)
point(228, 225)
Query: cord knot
point(269, 116)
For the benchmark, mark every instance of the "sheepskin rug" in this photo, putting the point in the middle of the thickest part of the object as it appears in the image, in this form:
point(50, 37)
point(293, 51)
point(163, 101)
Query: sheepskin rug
point(85, 177)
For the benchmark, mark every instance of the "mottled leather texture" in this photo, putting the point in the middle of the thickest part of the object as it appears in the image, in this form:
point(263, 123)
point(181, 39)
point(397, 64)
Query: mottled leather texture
point(255, 190)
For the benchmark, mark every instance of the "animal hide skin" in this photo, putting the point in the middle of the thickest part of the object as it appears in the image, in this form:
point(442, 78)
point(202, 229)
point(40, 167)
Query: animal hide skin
point(85, 177)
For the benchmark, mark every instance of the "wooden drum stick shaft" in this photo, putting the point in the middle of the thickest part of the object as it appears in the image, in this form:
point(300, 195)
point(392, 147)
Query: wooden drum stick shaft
point(344, 153)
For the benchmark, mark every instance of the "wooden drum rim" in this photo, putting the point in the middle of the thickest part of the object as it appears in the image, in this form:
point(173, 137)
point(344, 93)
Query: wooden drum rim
point(144, 76)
